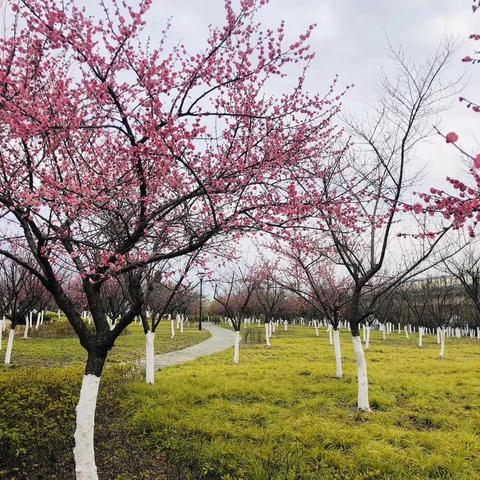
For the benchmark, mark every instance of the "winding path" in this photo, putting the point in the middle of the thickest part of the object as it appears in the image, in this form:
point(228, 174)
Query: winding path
point(221, 339)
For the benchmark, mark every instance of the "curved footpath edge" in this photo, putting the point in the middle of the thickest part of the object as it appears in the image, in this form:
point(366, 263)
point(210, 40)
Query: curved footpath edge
point(221, 339)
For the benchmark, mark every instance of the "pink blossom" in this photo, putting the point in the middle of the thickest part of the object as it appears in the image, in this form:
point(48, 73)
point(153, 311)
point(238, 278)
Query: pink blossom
point(451, 137)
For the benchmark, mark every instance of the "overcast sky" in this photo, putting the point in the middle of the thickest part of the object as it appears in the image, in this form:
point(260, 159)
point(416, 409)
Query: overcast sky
point(351, 40)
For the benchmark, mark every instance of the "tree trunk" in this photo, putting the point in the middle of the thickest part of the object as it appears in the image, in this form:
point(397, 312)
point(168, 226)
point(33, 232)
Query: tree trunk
point(367, 337)
point(384, 332)
point(1, 331)
point(84, 452)
point(420, 336)
point(267, 338)
point(25, 332)
point(442, 343)
point(330, 335)
point(285, 326)
point(236, 351)
point(316, 328)
point(338, 353)
point(363, 403)
point(8, 353)
point(150, 357)
point(172, 327)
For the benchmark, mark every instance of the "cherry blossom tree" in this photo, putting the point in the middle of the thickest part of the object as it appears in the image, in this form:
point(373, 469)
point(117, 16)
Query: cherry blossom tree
point(234, 296)
point(165, 285)
point(374, 175)
point(117, 153)
point(21, 292)
point(309, 272)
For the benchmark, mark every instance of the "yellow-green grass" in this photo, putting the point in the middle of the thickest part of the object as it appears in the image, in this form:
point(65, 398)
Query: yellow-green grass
point(281, 413)
point(38, 395)
point(130, 346)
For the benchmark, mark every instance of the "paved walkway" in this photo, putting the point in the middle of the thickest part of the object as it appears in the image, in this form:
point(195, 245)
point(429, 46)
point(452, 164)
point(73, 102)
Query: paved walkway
point(220, 340)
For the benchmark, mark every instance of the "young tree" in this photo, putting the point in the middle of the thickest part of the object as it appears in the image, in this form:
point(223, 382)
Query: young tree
point(374, 176)
point(116, 154)
point(310, 273)
point(234, 298)
point(465, 267)
point(163, 292)
point(269, 295)
point(21, 292)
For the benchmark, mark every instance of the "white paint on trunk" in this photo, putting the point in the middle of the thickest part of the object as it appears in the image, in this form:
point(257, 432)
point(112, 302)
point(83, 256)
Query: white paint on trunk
point(420, 336)
point(442, 343)
point(384, 332)
point(25, 332)
point(338, 353)
point(1, 332)
point(367, 338)
point(330, 335)
point(362, 377)
point(267, 338)
point(172, 328)
point(285, 326)
point(316, 328)
point(150, 357)
point(8, 353)
point(406, 332)
point(84, 452)
point(182, 318)
point(236, 351)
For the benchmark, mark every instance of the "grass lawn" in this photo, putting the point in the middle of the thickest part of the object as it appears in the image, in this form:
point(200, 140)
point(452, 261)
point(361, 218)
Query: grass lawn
point(130, 346)
point(38, 395)
point(281, 414)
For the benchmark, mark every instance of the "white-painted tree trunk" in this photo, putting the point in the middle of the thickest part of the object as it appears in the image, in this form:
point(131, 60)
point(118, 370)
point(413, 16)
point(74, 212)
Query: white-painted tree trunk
point(367, 338)
point(27, 322)
point(274, 324)
point(37, 324)
point(84, 452)
point(316, 328)
point(420, 336)
point(150, 357)
point(236, 351)
point(384, 332)
point(338, 353)
point(330, 335)
point(363, 403)
point(442, 343)
point(267, 337)
point(1, 332)
point(172, 328)
point(406, 332)
point(182, 319)
point(285, 326)
point(8, 353)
